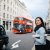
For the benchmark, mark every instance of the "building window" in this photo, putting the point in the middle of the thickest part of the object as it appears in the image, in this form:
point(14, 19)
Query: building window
point(10, 16)
point(11, 3)
point(13, 6)
point(4, 7)
point(11, 10)
point(8, 8)
point(4, 0)
point(15, 13)
point(3, 15)
point(7, 1)
point(7, 15)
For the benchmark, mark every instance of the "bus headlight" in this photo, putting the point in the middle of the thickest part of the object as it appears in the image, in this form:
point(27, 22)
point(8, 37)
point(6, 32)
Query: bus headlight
point(20, 31)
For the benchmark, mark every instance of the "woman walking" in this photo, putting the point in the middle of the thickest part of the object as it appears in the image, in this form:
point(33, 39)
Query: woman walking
point(40, 41)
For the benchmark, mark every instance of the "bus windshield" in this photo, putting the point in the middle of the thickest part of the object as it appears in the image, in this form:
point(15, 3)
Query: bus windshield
point(19, 26)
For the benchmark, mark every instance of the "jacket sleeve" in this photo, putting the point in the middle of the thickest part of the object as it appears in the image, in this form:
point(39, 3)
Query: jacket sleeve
point(41, 35)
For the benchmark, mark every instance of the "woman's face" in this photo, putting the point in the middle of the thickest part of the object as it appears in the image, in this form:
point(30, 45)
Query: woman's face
point(38, 21)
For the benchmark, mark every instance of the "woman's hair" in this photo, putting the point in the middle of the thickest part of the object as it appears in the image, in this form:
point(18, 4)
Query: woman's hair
point(42, 23)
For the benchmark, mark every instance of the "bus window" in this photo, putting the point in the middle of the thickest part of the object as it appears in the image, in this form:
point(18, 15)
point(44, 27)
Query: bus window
point(19, 18)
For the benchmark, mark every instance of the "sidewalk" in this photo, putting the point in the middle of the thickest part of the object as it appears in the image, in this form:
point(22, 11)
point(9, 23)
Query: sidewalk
point(48, 37)
point(7, 30)
point(33, 48)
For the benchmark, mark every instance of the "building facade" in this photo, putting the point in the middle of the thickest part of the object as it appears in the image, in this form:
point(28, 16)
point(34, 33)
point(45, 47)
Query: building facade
point(10, 9)
point(48, 17)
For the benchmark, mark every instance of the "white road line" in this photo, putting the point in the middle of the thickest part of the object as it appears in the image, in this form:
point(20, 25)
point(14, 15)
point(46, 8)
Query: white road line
point(15, 45)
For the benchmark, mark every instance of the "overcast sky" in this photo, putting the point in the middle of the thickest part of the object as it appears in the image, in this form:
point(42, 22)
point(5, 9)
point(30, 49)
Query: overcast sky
point(37, 7)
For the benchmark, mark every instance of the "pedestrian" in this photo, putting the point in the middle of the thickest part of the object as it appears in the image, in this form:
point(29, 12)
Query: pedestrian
point(40, 39)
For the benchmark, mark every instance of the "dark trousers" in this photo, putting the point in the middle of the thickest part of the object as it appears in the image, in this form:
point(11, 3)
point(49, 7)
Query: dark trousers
point(40, 47)
point(43, 47)
point(47, 44)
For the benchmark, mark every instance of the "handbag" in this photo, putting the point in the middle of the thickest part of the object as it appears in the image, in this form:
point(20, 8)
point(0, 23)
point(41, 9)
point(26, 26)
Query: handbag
point(47, 44)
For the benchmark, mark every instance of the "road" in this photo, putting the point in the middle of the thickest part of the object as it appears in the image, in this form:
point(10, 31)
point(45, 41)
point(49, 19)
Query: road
point(26, 41)
point(23, 41)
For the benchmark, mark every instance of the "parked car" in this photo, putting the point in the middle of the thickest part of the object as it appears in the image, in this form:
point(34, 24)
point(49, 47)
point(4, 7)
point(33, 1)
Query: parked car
point(4, 39)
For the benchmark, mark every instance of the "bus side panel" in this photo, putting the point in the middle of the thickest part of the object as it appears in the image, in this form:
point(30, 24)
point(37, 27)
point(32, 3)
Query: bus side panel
point(14, 31)
point(28, 30)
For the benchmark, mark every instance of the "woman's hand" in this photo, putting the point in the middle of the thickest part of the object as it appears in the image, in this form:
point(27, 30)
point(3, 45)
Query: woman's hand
point(34, 36)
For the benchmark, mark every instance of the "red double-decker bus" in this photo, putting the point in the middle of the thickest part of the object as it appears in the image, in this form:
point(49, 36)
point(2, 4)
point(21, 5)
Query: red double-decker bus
point(22, 25)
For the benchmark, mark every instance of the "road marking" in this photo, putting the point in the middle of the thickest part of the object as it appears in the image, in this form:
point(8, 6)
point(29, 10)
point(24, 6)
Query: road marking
point(15, 45)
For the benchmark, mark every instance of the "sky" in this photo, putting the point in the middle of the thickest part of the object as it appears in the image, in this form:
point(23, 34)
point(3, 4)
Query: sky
point(37, 7)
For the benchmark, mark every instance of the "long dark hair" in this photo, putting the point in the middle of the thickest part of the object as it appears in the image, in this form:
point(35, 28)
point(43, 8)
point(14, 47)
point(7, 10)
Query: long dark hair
point(41, 25)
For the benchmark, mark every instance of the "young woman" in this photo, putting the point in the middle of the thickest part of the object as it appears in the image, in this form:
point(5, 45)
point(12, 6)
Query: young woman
point(39, 30)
